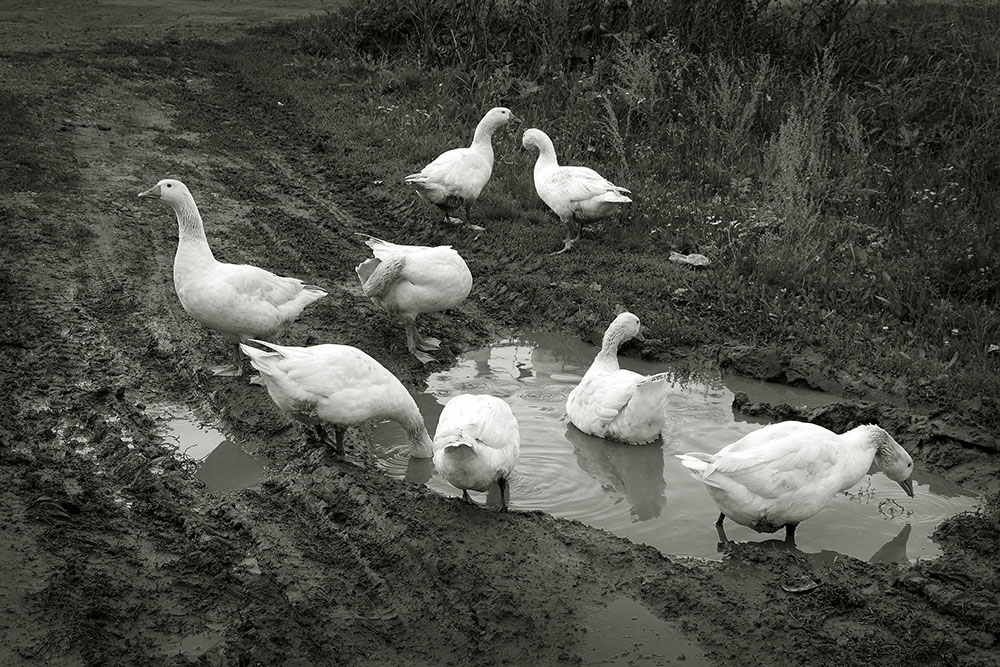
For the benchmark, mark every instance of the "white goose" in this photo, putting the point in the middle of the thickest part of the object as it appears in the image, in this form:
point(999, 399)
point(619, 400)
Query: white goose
point(576, 194)
point(237, 300)
point(407, 280)
point(617, 404)
point(456, 177)
point(785, 473)
point(476, 443)
point(338, 385)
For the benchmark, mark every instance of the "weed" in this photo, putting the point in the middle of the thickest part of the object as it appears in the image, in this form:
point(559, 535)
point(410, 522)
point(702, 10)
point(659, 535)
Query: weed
point(836, 160)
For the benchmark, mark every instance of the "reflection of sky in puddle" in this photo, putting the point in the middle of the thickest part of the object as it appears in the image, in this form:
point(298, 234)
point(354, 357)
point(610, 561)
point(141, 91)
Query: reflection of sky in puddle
point(625, 633)
point(643, 492)
point(222, 464)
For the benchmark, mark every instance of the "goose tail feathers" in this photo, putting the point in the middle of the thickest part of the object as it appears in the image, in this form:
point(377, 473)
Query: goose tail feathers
point(697, 463)
point(615, 197)
point(651, 393)
point(366, 268)
point(261, 360)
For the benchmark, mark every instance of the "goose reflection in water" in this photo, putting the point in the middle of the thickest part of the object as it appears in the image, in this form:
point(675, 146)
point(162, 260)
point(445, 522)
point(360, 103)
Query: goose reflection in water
point(630, 472)
point(893, 551)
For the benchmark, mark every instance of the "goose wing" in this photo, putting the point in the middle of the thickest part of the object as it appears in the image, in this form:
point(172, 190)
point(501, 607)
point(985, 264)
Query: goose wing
point(603, 396)
point(577, 184)
point(774, 467)
point(262, 285)
point(459, 171)
point(321, 371)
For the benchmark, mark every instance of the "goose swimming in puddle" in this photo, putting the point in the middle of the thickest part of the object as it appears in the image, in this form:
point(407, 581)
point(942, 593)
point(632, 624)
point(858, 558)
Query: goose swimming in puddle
point(618, 404)
point(239, 301)
point(784, 473)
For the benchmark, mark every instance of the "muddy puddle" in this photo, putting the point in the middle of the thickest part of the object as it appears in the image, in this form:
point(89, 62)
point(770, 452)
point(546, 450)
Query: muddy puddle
point(222, 465)
point(642, 492)
point(625, 633)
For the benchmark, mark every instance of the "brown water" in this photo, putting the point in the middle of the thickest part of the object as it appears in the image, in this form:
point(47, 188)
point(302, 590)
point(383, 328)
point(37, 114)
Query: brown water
point(222, 465)
point(642, 492)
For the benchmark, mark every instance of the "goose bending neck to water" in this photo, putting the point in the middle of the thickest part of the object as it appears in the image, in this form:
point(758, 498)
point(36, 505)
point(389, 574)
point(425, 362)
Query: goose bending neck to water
point(476, 443)
point(338, 385)
point(576, 194)
point(237, 300)
point(618, 404)
point(456, 177)
point(784, 473)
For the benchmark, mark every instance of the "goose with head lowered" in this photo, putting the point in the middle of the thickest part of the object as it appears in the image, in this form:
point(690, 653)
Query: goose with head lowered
point(476, 443)
point(239, 301)
point(407, 280)
point(337, 385)
point(576, 194)
point(784, 473)
point(456, 177)
point(615, 403)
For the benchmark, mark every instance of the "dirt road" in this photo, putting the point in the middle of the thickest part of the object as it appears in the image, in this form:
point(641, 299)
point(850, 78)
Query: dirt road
point(114, 554)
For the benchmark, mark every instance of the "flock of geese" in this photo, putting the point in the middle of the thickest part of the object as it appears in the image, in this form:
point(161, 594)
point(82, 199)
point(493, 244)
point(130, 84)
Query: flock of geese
point(774, 477)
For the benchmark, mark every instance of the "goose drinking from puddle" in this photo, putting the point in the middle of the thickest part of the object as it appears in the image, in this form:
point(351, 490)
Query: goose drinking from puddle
point(618, 404)
point(407, 280)
point(575, 194)
point(237, 300)
point(337, 385)
point(784, 473)
point(476, 443)
point(456, 177)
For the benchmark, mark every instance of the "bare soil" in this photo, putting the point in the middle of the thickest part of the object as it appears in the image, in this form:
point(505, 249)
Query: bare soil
point(112, 553)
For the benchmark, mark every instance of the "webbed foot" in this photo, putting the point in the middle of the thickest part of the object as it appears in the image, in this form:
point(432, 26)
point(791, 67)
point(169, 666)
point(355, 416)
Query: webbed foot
point(569, 244)
point(428, 344)
point(422, 357)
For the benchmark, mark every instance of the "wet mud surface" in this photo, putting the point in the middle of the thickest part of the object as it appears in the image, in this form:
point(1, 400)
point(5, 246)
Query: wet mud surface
point(115, 553)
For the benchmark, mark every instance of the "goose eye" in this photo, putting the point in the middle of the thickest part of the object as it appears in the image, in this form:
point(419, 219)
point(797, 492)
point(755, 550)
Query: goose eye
point(169, 185)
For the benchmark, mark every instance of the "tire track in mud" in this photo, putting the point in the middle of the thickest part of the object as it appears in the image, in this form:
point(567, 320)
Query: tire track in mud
point(320, 564)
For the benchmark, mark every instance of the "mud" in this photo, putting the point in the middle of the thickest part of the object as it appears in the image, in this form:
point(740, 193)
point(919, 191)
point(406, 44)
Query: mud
point(115, 553)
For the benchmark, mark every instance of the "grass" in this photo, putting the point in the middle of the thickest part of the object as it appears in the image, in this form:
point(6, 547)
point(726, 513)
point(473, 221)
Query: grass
point(844, 189)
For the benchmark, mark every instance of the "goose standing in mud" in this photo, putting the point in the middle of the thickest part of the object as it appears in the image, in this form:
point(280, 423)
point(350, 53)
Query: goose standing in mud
point(784, 473)
point(456, 177)
point(617, 404)
point(575, 194)
point(338, 385)
point(476, 443)
point(407, 280)
point(237, 300)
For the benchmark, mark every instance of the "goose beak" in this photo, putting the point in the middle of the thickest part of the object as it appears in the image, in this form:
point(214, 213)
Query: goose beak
point(153, 192)
point(640, 336)
point(907, 485)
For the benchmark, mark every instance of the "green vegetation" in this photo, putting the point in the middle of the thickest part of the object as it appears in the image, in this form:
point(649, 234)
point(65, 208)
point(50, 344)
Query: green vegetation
point(835, 160)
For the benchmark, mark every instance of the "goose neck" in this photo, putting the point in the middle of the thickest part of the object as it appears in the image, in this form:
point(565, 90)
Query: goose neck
point(421, 445)
point(859, 453)
point(484, 134)
point(190, 228)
